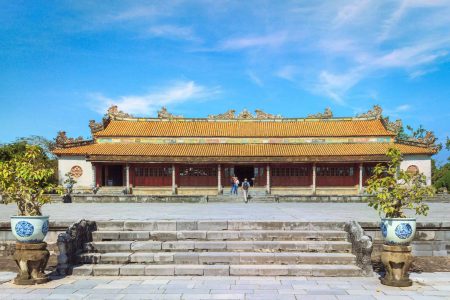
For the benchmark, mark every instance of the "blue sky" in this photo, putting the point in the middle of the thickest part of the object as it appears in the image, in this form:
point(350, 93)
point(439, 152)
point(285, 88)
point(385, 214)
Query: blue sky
point(63, 63)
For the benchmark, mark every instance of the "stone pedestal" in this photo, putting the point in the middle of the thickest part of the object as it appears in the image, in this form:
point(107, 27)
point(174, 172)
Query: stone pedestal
point(396, 260)
point(31, 258)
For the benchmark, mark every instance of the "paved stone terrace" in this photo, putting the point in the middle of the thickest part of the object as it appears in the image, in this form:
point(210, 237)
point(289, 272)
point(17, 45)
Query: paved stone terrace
point(427, 286)
point(339, 212)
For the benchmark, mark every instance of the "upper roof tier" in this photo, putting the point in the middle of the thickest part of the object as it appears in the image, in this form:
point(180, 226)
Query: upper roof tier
point(237, 128)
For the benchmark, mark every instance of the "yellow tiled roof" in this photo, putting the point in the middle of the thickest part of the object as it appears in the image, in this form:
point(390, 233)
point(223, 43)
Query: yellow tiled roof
point(239, 150)
point(285, 128)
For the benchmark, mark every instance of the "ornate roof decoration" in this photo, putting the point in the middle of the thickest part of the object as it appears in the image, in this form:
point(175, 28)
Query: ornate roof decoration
point(96, 127)
point(244, 115)
point(375, 112)
point(164, 114)
point(261, 115)
point(62, 141)
point(327, 114)
point(229, 114)
point(428, 140)
point(114, 112)
point(395, 127)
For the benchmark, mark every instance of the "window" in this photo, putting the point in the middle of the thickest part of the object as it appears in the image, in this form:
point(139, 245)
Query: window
point(198, 171)
point(335, 171)
point(153, 171)
point(290, 171)
point(368, 171)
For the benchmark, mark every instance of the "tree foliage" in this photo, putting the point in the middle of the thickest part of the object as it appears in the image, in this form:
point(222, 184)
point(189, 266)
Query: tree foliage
point(18, 147)
point(25, 180)
point(395, 190)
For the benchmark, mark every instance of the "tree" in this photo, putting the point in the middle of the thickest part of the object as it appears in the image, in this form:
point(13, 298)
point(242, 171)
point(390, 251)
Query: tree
point(395, 189)
point(8, 151)
point(24, 179)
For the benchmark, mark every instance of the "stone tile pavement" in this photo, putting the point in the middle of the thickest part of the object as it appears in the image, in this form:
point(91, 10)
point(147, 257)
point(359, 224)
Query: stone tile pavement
point(427, 286)
point(338, 212)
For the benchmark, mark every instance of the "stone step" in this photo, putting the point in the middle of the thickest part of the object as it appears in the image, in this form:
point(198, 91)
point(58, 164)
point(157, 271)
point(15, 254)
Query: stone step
point(218, 258)
point(172, 225)
point(254, 198)
point(216, 270)
point(220, 235)
point(240, 246)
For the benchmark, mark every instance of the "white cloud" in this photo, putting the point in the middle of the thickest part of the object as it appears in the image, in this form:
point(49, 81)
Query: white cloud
point(272, 40)
point(287, 72)
point(254, 78)
point(173, 32)
point(148, 104)
point(403, 107)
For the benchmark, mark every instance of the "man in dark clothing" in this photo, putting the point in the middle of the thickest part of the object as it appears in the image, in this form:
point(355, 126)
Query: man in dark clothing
point(245, 188)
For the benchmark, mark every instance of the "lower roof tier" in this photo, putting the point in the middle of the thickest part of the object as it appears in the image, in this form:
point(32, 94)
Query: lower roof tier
point(140, 150)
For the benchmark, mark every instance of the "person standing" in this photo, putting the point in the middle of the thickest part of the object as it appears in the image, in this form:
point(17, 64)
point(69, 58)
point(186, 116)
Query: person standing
point(245, 188)
point(233, 186)
point(236, 185)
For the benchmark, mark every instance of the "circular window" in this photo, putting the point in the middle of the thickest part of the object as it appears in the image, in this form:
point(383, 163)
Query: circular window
point(413, 170)
point(76, 171)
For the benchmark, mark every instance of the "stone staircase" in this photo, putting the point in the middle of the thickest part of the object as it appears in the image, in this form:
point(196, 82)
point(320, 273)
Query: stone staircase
point(218, 248)
point(111, 190)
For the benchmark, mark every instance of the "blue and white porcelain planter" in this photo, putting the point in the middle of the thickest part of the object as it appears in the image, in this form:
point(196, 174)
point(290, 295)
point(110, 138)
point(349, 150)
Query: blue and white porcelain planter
point(29, 229)
point(398, 231)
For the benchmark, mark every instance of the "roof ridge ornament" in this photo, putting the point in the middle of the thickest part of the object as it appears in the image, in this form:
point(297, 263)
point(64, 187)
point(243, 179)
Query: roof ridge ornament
point(327, 114)
point(376, 112)
point(164, 114)
point(114, 112)
point(63, 141)
point(229, 114)
point(244, 115)
point(261, 115)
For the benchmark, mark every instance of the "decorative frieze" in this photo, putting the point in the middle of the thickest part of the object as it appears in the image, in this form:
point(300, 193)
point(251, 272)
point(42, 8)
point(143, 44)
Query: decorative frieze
point(255, 140)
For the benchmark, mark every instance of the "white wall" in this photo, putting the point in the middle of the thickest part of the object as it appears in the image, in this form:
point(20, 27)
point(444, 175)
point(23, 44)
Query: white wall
point(423, 162)
point(65, 163)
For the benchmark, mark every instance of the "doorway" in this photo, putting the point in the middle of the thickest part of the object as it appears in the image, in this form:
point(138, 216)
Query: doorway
point(244, 171)
point(114, 175)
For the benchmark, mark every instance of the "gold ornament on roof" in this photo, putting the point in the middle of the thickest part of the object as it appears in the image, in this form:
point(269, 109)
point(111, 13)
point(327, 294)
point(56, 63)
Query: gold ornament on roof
point(164, 114)
point(327, 114)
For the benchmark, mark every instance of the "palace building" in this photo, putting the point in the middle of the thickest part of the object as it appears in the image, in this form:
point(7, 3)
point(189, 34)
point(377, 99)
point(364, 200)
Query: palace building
point(169, 154)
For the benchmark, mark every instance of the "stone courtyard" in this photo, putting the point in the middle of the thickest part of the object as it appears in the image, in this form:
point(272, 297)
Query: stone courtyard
point(427, 286)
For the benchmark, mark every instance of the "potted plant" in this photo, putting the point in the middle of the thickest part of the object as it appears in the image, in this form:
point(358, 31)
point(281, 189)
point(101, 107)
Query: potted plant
point(395, 190)
point(26, 180)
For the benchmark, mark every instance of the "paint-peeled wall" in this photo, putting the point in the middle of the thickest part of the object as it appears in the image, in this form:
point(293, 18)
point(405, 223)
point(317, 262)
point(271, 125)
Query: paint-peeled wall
point(420, 162)
point(69, 163)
